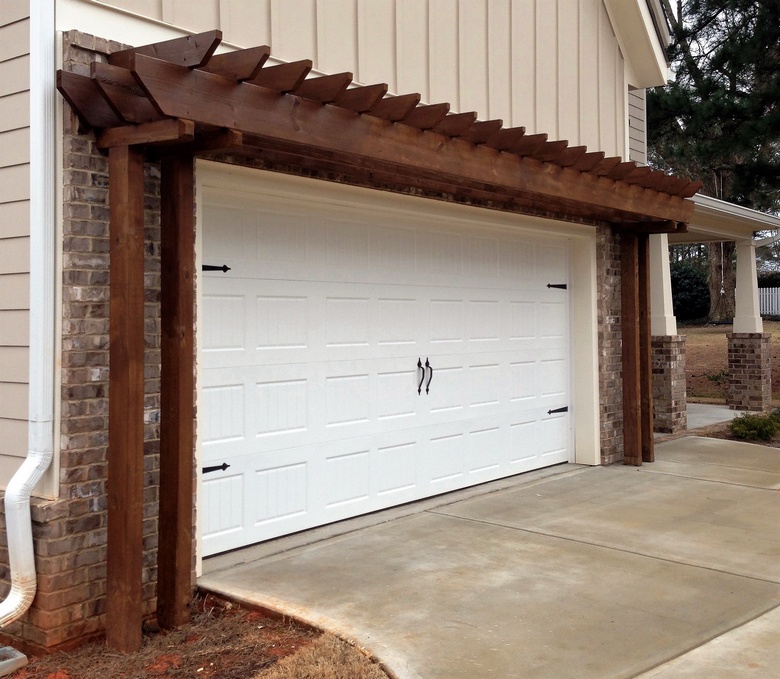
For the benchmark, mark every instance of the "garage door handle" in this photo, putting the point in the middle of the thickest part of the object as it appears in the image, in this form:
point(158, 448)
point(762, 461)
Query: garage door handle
point(430, 375)
point(422, 375)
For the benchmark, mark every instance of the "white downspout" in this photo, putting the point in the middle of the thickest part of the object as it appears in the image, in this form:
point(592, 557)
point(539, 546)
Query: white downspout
point(42, 265)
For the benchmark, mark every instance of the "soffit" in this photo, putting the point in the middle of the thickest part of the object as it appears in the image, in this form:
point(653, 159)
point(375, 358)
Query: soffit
point(718, 220)
point(179, 96)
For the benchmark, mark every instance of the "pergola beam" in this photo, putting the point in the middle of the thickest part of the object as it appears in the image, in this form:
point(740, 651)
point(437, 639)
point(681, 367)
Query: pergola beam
point(309, 126)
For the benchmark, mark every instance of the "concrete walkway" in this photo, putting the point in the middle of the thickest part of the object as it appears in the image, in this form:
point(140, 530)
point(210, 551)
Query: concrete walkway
point(704, 414)
point(668, 570)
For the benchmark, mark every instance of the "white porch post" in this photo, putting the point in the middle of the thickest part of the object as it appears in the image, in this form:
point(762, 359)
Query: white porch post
point(662, 319)
point(747, 315)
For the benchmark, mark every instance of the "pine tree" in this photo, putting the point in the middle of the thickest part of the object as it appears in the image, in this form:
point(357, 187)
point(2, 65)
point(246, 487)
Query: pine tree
point(719, 119)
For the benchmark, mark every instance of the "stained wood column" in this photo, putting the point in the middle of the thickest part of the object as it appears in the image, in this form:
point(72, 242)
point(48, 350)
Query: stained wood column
point(126, 400)
point(645, 350)
point(177, 397)
point(630, 330)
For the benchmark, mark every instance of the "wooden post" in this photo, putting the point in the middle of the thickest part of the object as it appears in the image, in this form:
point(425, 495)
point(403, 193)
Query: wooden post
point(126, 400)
point(177, 393)
point(645, 349)
point(629, 323)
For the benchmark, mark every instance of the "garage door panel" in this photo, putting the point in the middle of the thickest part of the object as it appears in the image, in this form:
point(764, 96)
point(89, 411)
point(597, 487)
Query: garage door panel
point(523, 442)
point(446, 321)
point(279, 491)
point(554, 319)
point(234, 238)
point(517, 263)
point(393, 250)
point(447, 395)
point(395, 478)
point(347, 478)
point(487, 448)
point(445, 459)
point(223, 522)
point(522, 320)
point(484, 320)
point(552, 436)
point(226, 330)
point(282, 322)
point(552, 262)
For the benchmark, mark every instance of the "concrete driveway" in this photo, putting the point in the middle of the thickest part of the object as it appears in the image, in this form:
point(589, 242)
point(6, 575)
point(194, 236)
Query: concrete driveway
point(667, 570)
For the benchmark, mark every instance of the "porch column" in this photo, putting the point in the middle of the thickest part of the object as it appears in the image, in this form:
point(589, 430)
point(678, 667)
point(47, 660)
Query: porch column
point(662, 318)
point(667, 347)
point(635, 329)
point(177, 392)
point(126, 399)
point(747, 314)
point(750, 369)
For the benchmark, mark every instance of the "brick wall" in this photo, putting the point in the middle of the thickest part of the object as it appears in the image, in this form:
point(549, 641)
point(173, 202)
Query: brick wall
point(70, 533)
point(610, 345)
point(750, 371)
point(669, 388)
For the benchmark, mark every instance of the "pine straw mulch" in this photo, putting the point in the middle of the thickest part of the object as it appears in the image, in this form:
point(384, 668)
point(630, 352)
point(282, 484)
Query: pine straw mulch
point(223, 641)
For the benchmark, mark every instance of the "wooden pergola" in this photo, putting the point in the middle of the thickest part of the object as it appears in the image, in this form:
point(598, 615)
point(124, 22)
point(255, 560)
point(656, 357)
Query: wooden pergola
point(178, 100)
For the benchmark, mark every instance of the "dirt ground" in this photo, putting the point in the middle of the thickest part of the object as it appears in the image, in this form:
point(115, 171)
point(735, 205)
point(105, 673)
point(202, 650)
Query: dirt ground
point(223, 641)
point(706, 359)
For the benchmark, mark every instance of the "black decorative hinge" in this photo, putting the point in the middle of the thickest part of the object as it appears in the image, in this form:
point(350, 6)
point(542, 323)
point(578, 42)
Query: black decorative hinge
point(565, 409)
point(216, 468)
point(560, 286)
point(212, 267)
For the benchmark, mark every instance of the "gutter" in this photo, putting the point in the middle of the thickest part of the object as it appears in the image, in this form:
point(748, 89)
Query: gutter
point(18, 518)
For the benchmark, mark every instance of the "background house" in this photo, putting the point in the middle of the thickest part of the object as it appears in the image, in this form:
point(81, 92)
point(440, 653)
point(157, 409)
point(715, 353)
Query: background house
point(307, 379)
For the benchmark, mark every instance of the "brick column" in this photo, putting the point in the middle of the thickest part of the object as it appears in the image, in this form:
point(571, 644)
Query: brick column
point(670, 398)
point(610, 345)
point(750, 371)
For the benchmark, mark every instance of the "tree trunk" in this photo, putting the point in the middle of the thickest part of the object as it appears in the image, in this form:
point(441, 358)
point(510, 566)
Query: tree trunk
point(721, 276)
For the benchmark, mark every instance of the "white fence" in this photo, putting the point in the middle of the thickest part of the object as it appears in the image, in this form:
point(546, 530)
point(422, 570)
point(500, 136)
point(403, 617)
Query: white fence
point(769, 301)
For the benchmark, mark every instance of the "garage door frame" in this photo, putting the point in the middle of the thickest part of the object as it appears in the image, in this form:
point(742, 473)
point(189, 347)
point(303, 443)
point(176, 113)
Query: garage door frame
point(583, 353)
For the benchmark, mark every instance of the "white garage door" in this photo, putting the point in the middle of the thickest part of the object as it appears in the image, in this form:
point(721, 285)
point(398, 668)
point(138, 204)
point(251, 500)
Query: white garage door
point(309, 370)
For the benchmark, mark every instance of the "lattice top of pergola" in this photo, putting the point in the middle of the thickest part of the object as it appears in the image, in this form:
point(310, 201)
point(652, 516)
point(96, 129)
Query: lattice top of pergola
point(181, 93)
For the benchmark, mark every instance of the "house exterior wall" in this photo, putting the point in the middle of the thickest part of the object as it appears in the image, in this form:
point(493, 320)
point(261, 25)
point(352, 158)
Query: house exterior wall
point(553, 66)
point(505, 58)
point(14, 230)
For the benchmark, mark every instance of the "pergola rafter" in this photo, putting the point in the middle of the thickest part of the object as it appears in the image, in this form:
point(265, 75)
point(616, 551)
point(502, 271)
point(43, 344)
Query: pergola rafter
point(175, 100)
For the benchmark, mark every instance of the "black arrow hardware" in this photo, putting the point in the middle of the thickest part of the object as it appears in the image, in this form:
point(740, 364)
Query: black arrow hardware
point(216, 468)
point(212, 267)
point(560, 286)
point(422, 377)
point(565, 409)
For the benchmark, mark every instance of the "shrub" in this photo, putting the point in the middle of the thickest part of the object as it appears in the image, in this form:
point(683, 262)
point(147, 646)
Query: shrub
point(755, 426)
point(690, 292)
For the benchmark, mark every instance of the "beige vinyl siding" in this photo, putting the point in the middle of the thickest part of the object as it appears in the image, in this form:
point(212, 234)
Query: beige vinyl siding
point(551, 66)
point(15, 219)
point(14, 226)
point(15, 111)
point(637, 127)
